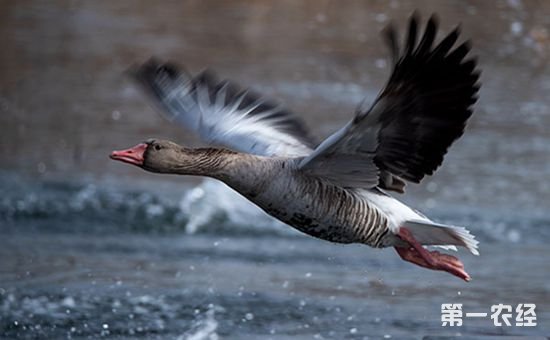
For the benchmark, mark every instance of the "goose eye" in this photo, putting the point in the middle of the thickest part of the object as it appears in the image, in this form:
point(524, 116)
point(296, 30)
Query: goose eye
point(157, 147)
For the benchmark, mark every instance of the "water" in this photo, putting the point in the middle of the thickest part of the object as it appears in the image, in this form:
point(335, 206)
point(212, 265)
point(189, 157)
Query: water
point(92, 248)
point(90, 260)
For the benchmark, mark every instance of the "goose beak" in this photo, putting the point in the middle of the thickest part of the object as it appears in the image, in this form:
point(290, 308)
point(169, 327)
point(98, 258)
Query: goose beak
point(132, 155)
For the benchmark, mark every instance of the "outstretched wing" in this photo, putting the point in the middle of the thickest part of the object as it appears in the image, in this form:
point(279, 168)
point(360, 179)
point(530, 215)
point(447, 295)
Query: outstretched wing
point(405, 134)
point(221, 113)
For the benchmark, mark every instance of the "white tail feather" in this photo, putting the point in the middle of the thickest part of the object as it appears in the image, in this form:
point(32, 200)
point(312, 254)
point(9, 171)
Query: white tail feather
point(445, 236)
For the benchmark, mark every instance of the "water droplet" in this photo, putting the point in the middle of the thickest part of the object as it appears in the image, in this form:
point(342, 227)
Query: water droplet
point(516, 28)
point(249, 316)
point(353, 330)
point(514, 236)
point(515, 3)
point(430, 203)
point(431, 187)
point(115, 115)
point(41, 167)
point(68, 301)
point(380, 63)
point(381, 17)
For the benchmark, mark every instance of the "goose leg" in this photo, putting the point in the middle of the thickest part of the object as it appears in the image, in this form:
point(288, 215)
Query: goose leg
point(435, 260)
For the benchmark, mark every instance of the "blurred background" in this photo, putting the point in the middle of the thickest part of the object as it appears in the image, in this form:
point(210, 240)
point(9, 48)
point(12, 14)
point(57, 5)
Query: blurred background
point(90, 247)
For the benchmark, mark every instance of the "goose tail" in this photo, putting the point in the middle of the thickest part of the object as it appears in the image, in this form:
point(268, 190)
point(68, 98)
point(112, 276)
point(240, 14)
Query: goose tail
point(444, 236)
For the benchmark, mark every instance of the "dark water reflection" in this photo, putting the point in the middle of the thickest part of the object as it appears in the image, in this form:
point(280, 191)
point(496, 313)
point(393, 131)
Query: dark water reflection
point(65, 104)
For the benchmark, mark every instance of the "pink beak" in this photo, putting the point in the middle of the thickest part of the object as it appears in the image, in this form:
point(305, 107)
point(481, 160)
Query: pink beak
point(132, 155)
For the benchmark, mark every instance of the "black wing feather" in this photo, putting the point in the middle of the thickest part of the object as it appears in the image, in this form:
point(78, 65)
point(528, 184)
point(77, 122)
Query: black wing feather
point(428, 100)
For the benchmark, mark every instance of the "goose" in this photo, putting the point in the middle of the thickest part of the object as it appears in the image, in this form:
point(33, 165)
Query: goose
point(338, 190)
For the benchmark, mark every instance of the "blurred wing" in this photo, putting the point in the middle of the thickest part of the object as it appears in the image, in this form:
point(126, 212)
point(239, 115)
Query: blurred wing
point(405, 134)
point(222, 113)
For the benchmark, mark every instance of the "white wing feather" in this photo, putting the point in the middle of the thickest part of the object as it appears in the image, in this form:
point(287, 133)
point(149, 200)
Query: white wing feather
point(223, 114)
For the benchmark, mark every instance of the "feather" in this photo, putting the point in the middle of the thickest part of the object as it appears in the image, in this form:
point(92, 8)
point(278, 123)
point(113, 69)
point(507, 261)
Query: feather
point(220, 112)
point(421, 111)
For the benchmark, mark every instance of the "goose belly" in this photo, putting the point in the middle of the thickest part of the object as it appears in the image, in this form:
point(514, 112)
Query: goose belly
point(324, 211)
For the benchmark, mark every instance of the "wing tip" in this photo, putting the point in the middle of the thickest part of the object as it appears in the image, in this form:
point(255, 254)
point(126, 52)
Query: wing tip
point(177, 93)
point(390, 36)
point(428, 37)
point(154, 70)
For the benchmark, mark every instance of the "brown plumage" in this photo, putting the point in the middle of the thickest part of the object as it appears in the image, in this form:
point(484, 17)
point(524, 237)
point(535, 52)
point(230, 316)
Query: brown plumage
point(334, 191)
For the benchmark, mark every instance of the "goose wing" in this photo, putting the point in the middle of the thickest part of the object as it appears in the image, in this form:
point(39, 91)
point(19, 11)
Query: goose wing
point(405, 134)
point(222, 113)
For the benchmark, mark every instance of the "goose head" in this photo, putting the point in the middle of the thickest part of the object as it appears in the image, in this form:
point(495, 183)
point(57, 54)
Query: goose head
point(164, 156)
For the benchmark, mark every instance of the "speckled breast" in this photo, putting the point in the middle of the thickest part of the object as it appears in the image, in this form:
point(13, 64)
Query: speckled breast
point(324, 211)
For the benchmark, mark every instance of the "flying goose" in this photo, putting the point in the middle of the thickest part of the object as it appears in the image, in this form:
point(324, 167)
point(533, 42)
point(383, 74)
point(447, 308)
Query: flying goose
point(338, 190)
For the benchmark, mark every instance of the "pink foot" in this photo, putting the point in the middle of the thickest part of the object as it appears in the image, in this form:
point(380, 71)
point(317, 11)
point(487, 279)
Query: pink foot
point(435, 260)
